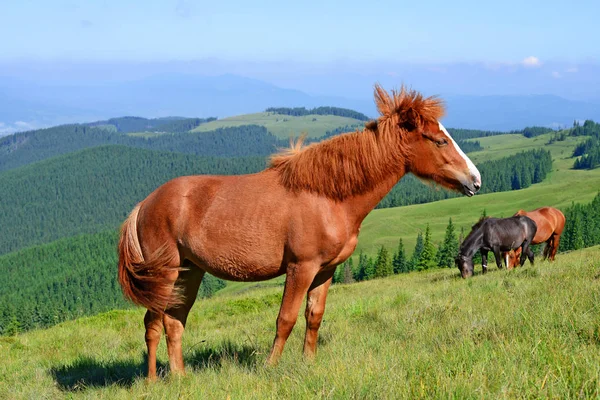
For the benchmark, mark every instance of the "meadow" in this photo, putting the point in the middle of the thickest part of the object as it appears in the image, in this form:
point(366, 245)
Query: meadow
point(527, 333)
point(284, 126)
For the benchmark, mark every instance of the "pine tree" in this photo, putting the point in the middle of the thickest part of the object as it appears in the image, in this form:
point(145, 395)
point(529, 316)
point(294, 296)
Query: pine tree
point(347, 272)
point(416, 256)
point(577, 234)
point(383, 264)
point(428, 255)
point(361, 274)
point(449, 248)
point(399, 264)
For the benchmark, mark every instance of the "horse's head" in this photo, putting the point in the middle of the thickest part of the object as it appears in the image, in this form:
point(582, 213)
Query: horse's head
point(428, 149)
point(512, 258)
point(465, 265)
point(436, 156)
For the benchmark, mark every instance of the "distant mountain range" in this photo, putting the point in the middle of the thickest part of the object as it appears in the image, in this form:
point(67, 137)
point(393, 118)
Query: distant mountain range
point(27, 105)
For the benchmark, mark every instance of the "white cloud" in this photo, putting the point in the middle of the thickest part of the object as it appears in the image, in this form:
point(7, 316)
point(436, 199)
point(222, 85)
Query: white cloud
point(22, 125)
point(572, 70)
point(531, 62)
point(556, 75)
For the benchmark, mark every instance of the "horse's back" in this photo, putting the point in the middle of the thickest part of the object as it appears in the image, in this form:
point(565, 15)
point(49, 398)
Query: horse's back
point(530, 227)
point(549, 221)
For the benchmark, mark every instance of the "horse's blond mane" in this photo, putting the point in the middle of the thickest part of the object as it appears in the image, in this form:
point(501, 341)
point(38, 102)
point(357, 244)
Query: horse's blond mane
point(354, 163)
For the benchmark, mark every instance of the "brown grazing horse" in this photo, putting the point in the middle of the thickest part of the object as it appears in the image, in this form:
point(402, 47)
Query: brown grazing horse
point(550, 224)
point(300, 217)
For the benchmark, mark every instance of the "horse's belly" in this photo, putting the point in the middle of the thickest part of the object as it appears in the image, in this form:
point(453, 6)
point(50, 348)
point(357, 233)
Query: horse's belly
point(241, 269)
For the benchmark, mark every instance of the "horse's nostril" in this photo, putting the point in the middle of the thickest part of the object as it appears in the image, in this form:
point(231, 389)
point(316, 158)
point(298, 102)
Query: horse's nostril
point(476, 185)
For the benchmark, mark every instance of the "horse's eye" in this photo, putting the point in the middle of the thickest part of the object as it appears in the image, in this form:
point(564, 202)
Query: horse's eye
point(441, 142)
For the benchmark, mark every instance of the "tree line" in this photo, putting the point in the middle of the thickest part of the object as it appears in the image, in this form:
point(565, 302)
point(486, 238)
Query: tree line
point(588, 151)
point(426, 255)
point(583, 226)
point(67, 279)
point(139, 124)
point(32, 146)
point(302, 111)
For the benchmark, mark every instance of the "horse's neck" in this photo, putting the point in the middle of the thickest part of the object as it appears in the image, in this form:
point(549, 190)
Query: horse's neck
point(359, 207)
point(472, 243)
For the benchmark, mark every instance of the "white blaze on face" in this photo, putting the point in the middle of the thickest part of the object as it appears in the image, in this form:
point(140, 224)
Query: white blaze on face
point(472, 168)
point(507, 261)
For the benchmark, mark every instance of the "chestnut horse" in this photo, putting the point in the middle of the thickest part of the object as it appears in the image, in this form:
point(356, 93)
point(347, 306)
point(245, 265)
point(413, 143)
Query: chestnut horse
point(300, 217)
point(550, 224)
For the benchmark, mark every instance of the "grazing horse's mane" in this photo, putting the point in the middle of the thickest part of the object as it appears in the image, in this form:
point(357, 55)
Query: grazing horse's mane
point(467, 242)
point(479, 223)
point(355, 163)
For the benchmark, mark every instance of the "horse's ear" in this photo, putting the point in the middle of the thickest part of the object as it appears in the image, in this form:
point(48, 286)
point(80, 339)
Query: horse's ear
point(383, 101)
point(409, 119)
point(371, 125)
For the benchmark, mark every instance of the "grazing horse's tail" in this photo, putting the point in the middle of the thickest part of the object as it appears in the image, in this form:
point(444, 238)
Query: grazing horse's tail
point(144, 282)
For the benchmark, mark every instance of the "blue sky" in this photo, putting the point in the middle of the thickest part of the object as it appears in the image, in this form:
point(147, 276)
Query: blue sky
point(316, 32)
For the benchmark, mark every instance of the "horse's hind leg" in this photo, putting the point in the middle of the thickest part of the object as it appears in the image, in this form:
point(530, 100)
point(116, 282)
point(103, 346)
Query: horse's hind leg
point(498, 257)
point(297, 282)
point(154, 326)
point(555, 244)
point(175, 318)
point(315, 308)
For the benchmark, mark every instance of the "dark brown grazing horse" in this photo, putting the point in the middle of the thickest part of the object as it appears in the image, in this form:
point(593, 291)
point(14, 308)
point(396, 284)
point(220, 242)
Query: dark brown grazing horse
point(496, 235)
point(300, 217)
point(550, 224)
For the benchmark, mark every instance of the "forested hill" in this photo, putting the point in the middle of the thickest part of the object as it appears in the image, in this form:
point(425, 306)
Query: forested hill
point(302, 111)
point(139, 124)
point(92, 190)
point(28, 147)
point(67, 279)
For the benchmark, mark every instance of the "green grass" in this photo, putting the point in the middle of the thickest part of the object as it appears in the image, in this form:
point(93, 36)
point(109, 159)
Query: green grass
point(528, 333)
point(562, 186)
point(284, 126)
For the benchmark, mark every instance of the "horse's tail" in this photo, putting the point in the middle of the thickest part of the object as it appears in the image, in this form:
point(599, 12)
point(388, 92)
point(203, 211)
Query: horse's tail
point(148, 282)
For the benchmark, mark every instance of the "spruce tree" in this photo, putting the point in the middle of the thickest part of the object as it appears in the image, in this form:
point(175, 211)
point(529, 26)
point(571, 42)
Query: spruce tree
point(361, 274)
point(399, 264)
point(347, 276)
point(370, 268)
point(416, 256)
point(428, 255)
point(449, 248)
point(383, 264)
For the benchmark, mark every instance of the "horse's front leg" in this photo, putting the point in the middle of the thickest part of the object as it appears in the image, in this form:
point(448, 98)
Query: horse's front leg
point(526, 253)
point(315, 308)
point(297, 282)
point(484, 260)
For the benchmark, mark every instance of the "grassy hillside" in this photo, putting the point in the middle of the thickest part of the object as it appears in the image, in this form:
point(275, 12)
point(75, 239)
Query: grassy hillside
point(532, 332)
point(284, 126)
point(92, 190)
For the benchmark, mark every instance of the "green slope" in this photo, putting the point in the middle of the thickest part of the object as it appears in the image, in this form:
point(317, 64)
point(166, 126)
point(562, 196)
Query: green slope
point(532, 332)
point(284, 126)
point(92, 190)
